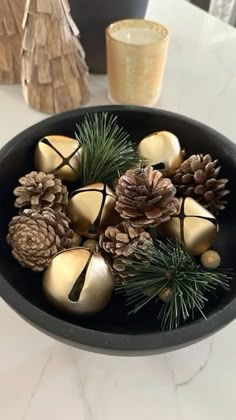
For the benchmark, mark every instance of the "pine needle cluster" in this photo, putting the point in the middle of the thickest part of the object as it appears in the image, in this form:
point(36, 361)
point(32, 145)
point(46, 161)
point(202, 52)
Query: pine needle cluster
point(107, 151)
point(169, 267)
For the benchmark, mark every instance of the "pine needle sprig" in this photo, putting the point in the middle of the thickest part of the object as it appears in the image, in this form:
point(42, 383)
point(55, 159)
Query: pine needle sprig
point(107, 151)
point(170, 268)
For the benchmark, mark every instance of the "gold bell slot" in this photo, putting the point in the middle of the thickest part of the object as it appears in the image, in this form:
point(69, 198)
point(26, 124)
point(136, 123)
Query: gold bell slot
point(74, 294)
point(94, 227)
point(159, 166)
point(65, 160)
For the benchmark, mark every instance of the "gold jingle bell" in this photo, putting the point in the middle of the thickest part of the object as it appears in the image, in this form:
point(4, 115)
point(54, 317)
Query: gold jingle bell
point(59, 155)
point(162, 150)
point(91, 209)
point(194, 226)
point(78, 281)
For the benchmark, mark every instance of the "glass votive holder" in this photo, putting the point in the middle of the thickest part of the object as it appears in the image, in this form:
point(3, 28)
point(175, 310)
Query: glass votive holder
point(136, 59)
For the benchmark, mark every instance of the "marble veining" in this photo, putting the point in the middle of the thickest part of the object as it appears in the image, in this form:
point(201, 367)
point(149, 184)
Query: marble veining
point(199, 370)
point(50, 380)
point(37, 385)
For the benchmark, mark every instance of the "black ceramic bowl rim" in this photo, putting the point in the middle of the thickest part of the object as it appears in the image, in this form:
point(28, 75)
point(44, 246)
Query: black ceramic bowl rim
point(135, 344)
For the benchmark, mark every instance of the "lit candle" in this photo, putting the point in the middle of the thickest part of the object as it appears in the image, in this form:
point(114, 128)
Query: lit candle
point(136, 58)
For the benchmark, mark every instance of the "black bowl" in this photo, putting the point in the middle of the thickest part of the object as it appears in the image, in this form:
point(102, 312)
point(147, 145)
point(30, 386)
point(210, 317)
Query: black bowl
point(113, 331)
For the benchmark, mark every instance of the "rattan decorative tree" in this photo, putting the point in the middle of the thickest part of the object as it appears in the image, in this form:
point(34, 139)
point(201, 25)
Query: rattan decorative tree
point(54, 70)
point(11, 15)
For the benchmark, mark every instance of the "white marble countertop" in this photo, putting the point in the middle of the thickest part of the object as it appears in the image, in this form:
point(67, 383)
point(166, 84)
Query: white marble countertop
point(43, 379)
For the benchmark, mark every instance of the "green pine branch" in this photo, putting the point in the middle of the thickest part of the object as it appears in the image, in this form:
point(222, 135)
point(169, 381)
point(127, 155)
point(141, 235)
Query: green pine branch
point(168, 266)
point(107, 151)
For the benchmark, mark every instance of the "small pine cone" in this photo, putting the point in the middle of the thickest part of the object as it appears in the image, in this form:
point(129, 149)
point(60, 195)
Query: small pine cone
point(36, 237)
point(197, 177)
point(122, 266)
point(145, 198)
point(123, 239)
point(39, 190)
point(119, 270)
point(122, 242)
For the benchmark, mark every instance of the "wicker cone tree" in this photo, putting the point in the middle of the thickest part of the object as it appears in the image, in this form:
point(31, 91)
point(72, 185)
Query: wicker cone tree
point(54, 71)
point(11, 15)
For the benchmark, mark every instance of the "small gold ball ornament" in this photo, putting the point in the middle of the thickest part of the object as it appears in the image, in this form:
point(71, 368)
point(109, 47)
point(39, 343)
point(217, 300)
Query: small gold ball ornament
point(90, 244)
point(91, 209)
point(59, 155)
point(210, 259)
point(166, 294)
point(78, 281)
point(162, 150)
point(76, 240)
point(194, 226)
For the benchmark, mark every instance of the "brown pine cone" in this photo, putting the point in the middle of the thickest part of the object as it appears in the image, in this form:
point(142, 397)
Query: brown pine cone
point(119, 270)
point(39, 190)
point(122, 242)
point(36, 237)
point(120, 264)
point(145, 198)
point(197, 177)
point(123, 239)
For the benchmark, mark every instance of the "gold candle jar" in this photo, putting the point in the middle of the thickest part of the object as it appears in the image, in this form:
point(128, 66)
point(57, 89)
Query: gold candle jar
point(136, 58)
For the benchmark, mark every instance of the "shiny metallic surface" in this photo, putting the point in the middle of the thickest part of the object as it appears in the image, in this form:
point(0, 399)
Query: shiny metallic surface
point(161, 148)
point(59, 155)
point(79, 282)
point(195, 226)
point(91, 209)
point(211, 259)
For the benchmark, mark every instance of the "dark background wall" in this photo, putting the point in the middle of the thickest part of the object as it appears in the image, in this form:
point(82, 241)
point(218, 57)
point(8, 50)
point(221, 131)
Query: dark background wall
point(204, 4)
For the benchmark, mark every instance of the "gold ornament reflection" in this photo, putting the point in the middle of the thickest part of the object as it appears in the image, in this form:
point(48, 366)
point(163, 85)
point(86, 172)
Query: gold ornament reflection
point(194, 226)
point(59, 155)
point(78, 281)
point(92, 208)
point(162, 150)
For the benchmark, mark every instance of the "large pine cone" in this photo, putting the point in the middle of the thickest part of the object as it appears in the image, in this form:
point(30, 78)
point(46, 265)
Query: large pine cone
point(36, 237)
point(197, 178)
point(145, 198)
point(122, 242)
point(39, 190)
